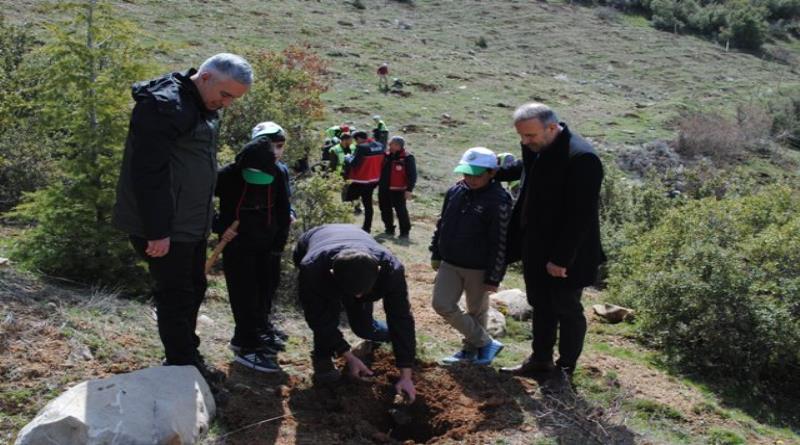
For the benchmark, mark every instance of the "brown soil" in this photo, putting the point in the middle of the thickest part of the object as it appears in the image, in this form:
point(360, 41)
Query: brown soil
point(454, 403)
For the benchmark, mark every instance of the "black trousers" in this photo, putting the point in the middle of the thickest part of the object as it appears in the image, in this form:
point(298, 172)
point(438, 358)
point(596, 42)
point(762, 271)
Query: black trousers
point(364, 191)
point(557, 311)
point(391, 201)
point(251, 276)
point(180, 286)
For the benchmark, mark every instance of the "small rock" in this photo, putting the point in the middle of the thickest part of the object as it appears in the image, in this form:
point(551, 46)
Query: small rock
point(496, 325)
point(514, 303)
point(4, 261)
point(205, 320)
point(613, 313)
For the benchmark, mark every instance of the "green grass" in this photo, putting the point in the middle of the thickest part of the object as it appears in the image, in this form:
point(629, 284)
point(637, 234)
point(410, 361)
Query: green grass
point(626, 88)
point(719, 436)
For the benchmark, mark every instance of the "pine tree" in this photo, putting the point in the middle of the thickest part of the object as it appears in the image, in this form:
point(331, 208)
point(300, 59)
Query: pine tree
point(93, 59)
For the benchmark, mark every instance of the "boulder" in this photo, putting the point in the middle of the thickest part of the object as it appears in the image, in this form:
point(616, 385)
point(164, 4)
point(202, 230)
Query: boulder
point(514, 303)
point(496, 324)
point(161, 405)
point(613, 313)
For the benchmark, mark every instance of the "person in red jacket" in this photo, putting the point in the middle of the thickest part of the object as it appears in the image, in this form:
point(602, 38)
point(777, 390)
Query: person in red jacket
point(363, 169)
point(398, 177)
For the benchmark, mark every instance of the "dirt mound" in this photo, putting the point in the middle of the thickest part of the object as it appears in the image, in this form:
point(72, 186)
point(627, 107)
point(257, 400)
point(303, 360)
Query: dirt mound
point(452, 403)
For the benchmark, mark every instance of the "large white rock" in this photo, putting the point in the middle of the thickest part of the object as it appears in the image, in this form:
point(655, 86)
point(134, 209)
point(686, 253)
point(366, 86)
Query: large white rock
point(163, 405)
point(496, 323)
point(514, 303)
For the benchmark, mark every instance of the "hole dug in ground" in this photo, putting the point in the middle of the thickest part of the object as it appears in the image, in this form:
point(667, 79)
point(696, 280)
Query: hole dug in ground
point(452, 403)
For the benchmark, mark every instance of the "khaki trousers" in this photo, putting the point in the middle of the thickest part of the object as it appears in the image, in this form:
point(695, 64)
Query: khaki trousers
point(451, 282)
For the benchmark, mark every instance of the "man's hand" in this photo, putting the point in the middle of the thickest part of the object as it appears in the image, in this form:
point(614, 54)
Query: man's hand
point(435, 264)
point(408, 195)
point(355, 367)
point(157, 248)
point(556, 271)
point(229, 234)
point(406, 385)
point(489, 289)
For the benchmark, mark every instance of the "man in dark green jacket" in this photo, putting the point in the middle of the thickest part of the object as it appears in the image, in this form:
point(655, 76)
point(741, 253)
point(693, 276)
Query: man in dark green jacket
point(166, 185)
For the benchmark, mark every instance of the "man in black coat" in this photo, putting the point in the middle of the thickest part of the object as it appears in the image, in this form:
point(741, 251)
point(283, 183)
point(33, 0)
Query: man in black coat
point(341, 266)
point(166, 185)
point(556, 226)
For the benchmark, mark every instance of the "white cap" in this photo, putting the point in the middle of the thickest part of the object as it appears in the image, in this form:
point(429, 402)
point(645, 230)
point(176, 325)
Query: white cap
point(267, 128)
point(476, 160)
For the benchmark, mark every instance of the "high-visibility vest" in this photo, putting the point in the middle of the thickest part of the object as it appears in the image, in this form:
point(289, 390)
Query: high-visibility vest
point(398, 176)
point(368, 170)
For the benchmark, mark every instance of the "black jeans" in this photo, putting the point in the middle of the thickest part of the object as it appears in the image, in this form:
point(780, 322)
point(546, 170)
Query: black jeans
point(391, 201)
point(557, 310)
point(364, 191)
point(180, 286)
point(251, 278)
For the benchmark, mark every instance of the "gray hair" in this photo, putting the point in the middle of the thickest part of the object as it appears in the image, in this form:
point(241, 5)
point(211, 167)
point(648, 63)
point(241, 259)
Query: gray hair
point(229, 65)
point(535, 110)
point(399, 140)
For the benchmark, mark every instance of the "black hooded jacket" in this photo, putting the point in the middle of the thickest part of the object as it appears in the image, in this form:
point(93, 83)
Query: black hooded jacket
point(262, 210)
point(322, 298)
point(169, 167)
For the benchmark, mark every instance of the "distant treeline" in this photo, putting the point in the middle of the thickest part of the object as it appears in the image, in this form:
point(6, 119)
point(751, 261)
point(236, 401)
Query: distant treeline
point(745, 24)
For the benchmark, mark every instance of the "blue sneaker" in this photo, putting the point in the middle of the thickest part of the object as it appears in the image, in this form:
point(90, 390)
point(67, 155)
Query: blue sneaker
point(459, 357)
point(487, 353)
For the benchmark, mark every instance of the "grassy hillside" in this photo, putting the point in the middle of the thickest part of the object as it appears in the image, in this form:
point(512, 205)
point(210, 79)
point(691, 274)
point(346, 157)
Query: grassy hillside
point(617, 81)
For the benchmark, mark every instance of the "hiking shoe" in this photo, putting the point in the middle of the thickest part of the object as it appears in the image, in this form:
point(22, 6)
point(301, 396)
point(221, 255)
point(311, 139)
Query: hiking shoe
point(530, 368)
point(272, 341)
point(487, 353)
point(460, 356)
point(325, 372)
point(257, 360)
point(389, 231)
point(404, 235)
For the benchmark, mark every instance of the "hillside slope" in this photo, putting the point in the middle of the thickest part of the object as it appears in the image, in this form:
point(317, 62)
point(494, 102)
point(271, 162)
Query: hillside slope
point(618, 82)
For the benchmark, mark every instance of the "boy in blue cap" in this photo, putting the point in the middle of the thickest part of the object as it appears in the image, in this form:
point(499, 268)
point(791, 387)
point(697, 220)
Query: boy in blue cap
point(253, 192)
point(468, 252)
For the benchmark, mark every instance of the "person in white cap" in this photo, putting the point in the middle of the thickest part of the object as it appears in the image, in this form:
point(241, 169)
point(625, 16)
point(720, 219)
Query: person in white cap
point(254, 220)
point(468, 251)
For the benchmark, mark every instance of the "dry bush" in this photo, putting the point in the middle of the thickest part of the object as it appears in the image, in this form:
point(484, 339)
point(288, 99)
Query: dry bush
point(709, 135)
point(723, 139)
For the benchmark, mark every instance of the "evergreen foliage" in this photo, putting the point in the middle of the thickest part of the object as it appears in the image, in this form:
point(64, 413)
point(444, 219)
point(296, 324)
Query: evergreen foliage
point(85, 104)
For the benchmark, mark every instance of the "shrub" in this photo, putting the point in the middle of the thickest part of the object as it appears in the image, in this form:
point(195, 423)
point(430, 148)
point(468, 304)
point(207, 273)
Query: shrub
point(481, 42)
point(287, 89)
point(629, 209)
point(709, 135)
point(747, 28)
point(785, 113)
point(717, 286)
point(91, 61)
point(606, 14)
point(317, 200)
point(666, 15)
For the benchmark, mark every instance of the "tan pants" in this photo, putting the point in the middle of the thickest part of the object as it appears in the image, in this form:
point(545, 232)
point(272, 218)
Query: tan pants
point(451, 282)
